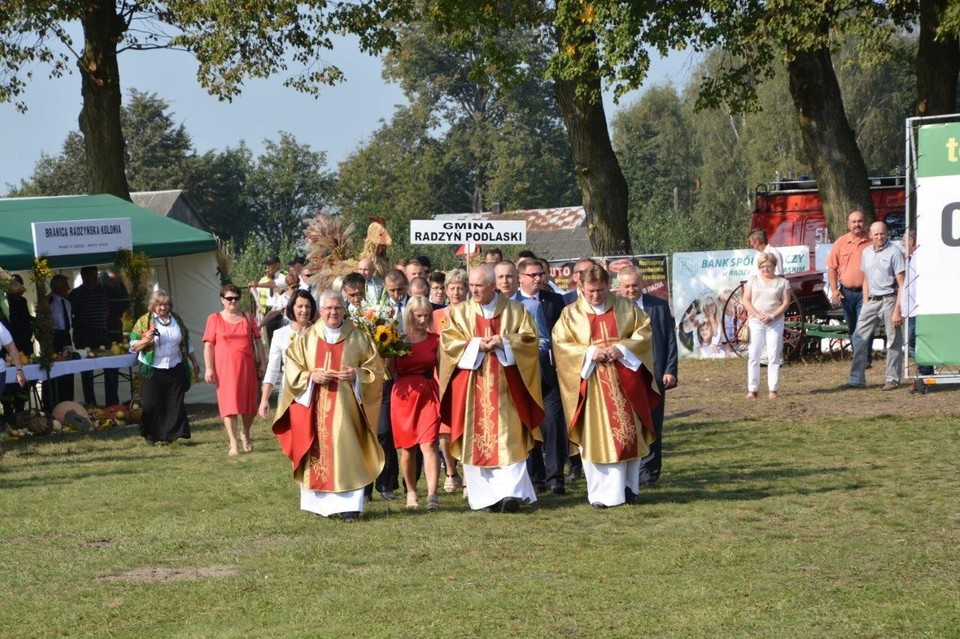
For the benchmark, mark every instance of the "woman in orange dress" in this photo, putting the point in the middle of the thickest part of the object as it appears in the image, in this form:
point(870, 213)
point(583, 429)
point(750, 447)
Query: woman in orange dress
point(234, 359)
point(455, 287)
point(415, 402)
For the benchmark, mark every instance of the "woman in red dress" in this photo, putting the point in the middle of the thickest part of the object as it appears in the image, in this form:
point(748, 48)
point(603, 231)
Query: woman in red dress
point(415, 402)
point(234, 358)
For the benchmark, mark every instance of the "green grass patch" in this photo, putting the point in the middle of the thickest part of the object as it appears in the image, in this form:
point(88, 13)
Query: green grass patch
point(841, 527)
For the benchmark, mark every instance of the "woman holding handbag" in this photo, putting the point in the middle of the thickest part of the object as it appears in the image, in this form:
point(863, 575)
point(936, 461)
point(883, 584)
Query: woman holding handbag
point(162, 342)
point(235, 361)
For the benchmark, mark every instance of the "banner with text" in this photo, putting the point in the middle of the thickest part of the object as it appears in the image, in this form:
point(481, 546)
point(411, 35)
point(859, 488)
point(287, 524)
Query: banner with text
point(938, 244)
point(468, 232)
point(82, 236)
point(702, 284)
point(653, 272)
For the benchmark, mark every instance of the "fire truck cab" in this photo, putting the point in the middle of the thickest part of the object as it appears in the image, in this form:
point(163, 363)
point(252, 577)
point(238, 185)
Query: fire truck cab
point(791, 211)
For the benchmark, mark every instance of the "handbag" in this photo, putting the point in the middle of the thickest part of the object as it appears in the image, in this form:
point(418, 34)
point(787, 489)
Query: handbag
point(743, 333)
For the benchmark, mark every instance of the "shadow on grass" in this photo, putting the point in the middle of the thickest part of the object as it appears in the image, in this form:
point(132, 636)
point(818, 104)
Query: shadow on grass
point(68, 478)
point(738, 482)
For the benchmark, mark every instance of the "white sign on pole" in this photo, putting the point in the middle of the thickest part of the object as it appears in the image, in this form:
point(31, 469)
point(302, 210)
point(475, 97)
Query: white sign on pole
point(468, 232)
point(82, 236)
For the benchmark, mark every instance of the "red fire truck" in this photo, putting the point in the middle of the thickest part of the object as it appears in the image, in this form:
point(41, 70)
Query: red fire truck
point(791, 211)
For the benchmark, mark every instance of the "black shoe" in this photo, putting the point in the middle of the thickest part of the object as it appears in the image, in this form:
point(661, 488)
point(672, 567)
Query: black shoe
point(351, 517)
point(629, 496)
point(540, 488)
point(558, 490)
point(495, 508)
point(598, 505)
point(575, 474)
point(511, 505)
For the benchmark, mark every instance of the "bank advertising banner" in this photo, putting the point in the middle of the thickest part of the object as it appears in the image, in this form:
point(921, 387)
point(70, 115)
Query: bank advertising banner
point(938, 244)
point(702, 284)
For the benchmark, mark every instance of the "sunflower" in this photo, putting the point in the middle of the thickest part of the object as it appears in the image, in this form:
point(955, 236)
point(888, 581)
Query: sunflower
point(382, 336)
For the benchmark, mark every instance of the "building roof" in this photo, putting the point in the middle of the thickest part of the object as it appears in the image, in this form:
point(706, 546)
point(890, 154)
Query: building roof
point(175, 204)
point(564, 218)
point(561, 244)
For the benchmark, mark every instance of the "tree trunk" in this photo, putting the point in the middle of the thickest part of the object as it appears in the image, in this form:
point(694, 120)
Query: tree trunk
point(938, 63)
point(828, 140)
point(596, 166)
point(100, 115)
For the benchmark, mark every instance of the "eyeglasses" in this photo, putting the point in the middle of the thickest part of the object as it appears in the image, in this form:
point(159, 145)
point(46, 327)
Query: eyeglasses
point(331, 309)
point(231, 299)
point(533, 275)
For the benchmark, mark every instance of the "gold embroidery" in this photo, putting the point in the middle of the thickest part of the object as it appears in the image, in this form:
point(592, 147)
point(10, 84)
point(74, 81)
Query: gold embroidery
point(622, 426)
point(484, 435)
point(320, 465)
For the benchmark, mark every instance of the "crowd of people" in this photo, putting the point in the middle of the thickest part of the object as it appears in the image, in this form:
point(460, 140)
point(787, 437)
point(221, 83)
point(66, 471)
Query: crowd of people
point(504, 376)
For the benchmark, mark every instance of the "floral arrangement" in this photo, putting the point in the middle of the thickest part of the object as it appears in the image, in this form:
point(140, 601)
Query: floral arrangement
point(134, 267)
point(380, 322)
point(43, 323)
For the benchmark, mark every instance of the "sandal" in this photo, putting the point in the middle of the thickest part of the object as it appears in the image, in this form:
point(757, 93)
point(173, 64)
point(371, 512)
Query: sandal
point(772, 395)
point(751, 394)
point(451, 483)
point(433, 502)
point(412, 502)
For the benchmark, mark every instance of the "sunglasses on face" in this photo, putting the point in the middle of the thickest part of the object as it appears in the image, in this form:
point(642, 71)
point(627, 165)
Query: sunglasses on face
point(231, 299)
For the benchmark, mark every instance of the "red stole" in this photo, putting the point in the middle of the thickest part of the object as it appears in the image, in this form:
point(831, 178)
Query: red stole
point(621, 388)
point(308, 431)
point(485, 409)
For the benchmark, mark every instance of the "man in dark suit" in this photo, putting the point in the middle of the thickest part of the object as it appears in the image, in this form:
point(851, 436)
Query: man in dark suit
point(664, 364)
point(583, 264)
point(545, 463)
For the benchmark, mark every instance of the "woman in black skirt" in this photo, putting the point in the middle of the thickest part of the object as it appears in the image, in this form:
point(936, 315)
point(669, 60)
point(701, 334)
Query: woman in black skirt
point(163, 342)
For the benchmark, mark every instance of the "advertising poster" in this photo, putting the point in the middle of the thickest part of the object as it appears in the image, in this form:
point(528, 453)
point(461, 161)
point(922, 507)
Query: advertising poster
point(938, 244)
point(653, 272)
point(702, 284)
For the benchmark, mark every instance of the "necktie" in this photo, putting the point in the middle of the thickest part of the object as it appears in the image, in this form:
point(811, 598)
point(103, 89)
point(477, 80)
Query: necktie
point(66, 315)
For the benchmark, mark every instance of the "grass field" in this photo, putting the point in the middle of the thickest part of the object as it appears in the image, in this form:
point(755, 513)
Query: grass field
point(773, 520)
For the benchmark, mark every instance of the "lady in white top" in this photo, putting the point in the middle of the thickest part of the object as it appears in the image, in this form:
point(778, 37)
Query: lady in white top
point(162, 342)
point(766, 298)
point(301, 311)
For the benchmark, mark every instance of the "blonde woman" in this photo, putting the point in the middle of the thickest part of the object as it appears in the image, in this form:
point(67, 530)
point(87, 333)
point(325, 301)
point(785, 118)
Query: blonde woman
point(415, 402)
point(162, 343)
point(766, 297)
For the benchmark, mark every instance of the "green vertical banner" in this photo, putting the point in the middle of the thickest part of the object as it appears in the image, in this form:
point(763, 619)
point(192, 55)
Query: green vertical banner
point(936, 262)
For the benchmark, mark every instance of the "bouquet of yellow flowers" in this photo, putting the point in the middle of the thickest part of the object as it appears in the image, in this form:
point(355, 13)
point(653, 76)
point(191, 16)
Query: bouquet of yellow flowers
point(380, 322)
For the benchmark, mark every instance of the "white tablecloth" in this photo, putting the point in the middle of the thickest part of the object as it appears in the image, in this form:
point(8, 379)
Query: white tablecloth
point(71, 366)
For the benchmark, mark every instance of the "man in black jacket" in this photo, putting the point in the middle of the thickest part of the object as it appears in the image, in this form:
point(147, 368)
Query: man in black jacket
point(545, 464)
point(664, 364)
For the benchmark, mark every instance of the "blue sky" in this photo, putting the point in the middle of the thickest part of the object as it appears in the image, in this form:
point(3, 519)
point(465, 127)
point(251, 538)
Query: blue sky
point(337, 122)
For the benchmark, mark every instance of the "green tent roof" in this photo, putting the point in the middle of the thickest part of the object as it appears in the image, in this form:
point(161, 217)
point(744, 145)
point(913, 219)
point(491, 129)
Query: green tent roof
point(155, 235)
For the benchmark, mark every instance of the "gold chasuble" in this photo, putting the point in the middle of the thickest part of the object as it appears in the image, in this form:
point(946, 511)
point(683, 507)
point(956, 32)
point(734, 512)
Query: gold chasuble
point(494, 411)
point(333, 443)
point(609, 412)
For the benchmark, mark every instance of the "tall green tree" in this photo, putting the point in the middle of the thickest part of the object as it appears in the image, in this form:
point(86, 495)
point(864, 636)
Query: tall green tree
point(289, 182)
point(217, 185)
point(232, 41)
point(504, 136)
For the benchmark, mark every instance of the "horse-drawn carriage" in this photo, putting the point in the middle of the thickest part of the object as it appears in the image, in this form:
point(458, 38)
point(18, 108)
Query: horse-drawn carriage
point(809, 319)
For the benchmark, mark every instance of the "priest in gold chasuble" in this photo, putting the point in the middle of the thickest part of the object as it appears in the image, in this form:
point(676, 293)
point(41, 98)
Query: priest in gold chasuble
point(327, 416)
point(604, 354)
point(490, 390)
